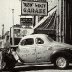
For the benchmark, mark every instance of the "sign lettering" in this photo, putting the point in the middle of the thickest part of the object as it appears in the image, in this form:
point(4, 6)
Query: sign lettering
point(34, 8)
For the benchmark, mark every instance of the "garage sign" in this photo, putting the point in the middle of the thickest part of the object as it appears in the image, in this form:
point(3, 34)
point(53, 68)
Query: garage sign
point(34, 8)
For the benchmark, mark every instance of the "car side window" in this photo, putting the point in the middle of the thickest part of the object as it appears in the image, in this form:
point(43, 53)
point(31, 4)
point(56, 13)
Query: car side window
point(28, 41)
point(39, 41)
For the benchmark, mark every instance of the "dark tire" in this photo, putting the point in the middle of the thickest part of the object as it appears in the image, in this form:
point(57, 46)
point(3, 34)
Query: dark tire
point(9, 61)
point(3, 64)
point(61, 62)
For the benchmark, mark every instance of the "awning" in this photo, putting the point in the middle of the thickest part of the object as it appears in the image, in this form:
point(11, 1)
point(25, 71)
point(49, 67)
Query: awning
point(49, 23)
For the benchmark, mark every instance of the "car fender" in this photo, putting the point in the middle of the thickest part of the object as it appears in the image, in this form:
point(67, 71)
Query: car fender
point(66, 53)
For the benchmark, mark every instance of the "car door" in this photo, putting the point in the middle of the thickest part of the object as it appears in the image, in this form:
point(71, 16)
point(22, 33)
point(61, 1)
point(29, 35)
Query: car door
point(27, 50)
point(42, 50)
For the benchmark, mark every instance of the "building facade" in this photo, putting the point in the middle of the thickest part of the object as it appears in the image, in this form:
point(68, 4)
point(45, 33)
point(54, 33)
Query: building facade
point(61, 24)
point(64, 21)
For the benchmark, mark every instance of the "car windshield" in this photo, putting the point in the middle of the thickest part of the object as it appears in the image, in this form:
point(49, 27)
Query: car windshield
point(50, 39)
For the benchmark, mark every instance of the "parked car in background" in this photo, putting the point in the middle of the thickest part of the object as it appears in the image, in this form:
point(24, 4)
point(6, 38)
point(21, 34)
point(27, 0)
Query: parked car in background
point(41, 49)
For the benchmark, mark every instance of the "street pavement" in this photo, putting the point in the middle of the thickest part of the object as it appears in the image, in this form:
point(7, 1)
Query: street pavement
point(38, 68)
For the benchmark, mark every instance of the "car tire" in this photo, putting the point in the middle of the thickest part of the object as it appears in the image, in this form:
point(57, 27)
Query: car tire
point(8, 62)
point(3, 64)
point(61, 62)
point(6, 66)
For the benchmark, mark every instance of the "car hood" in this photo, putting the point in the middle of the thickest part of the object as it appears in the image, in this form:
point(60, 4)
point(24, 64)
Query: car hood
point(58, 45)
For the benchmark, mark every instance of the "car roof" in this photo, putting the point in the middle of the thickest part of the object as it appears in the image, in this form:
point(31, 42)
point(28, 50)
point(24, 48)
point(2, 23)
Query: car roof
point(34, 35)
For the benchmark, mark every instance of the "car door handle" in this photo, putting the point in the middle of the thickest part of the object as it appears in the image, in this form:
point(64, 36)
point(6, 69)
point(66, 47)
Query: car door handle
point(50, 48)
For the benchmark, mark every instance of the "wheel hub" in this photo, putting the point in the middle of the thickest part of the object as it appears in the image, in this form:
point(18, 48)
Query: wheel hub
point(61, 62)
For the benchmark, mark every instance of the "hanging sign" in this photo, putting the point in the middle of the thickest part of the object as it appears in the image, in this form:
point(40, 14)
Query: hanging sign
point(34, 8)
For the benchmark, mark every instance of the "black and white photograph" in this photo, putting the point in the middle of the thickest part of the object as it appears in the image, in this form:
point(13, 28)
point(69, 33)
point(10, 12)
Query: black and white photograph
point(36, 36)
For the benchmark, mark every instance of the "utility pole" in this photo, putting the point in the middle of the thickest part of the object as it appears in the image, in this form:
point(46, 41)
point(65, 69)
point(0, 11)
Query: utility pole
point(13, 26)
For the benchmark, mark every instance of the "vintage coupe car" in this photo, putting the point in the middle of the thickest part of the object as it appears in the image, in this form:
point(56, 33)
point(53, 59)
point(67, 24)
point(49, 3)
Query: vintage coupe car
point(41, 49)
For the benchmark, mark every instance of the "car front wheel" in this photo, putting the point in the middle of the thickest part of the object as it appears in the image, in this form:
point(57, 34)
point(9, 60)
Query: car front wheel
point(8, 61)
point(61, 62)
